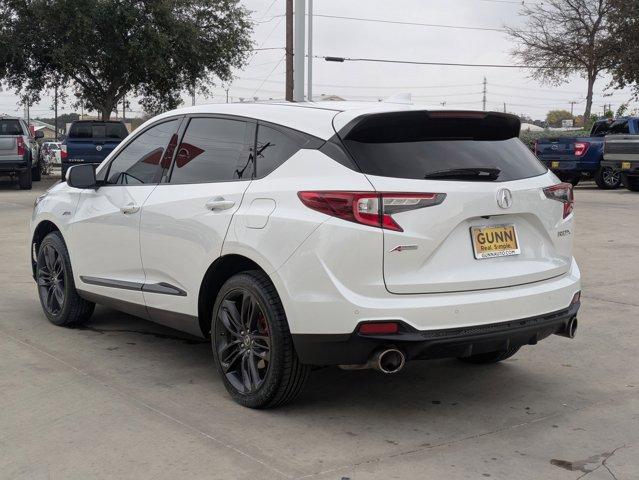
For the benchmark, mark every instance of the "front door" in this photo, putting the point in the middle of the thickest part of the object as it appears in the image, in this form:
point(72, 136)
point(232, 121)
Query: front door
point(105, 233)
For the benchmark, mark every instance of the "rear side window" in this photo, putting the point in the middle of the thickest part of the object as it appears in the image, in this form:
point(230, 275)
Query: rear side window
point(10, 127)
point(114, 130)
point(214, 150)
point(600, 129)
point(441, 145)
point(275, 146)
point(146, 158)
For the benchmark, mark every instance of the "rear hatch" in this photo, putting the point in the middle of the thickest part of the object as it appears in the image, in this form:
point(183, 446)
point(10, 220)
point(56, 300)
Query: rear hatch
point(91, 141)
point(488, 187)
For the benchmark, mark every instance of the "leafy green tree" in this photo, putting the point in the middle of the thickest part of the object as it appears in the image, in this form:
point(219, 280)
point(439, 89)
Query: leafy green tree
point(106, 49)
point(624, 43)
point(554, 117)
point(561, 37)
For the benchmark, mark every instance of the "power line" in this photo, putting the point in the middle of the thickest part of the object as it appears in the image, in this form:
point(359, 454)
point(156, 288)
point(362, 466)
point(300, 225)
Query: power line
point(397, 22)
point(267, 77)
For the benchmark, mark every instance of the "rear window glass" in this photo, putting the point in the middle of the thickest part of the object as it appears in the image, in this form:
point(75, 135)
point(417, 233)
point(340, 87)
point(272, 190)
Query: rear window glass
point(10, 127)
point(419, 145)
point(113, 130)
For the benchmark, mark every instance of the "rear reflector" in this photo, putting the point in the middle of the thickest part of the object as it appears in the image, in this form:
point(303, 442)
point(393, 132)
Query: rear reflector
point(374, 209)
point(562, 192)
point(378, 328)
point(576, 298)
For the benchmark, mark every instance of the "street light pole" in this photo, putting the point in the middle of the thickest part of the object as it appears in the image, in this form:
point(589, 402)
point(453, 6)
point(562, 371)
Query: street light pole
point(289, 51)
point(309, 95)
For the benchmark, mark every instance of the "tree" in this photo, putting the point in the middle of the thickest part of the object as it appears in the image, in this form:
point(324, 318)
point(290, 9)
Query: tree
point(624, 43)
point(554, 117)
point(562, 37)
point(106, 49)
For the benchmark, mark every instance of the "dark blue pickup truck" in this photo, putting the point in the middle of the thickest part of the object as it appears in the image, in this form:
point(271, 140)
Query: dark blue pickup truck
point(90, 141)
point(572, 158)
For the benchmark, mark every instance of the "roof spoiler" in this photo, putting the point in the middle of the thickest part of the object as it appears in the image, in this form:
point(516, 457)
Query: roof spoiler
point(424, 125)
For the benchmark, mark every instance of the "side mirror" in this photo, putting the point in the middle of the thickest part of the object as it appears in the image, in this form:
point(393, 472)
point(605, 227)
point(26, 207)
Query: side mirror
point(39, 134)
point(82, 176)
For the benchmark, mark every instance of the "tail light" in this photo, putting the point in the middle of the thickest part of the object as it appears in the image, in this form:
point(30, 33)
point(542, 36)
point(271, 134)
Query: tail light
point(369, 208)
point(21, 149)
point(562, 192)
point(63, 152)
point(581, 148)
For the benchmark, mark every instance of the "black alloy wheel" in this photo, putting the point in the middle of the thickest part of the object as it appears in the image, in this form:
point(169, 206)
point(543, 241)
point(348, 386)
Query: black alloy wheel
point(243, 343)
point(51, 280)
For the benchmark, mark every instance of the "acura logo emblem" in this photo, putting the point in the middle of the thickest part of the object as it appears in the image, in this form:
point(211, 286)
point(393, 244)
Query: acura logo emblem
point(504, 198)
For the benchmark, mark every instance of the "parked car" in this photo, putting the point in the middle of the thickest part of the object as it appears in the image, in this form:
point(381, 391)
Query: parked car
point(49, 157)
point(359, 235)
point(19, 151)
point(90, 141)
point(621, 151)
point(572, 158)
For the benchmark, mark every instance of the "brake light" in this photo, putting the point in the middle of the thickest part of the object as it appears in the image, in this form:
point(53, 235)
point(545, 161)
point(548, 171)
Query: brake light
point(562, 192)
point(21, 149)
point(581, 148)
point(63, 152)
point(374, 209)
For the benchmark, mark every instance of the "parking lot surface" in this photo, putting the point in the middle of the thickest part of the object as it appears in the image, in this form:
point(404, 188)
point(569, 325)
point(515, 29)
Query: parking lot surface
point(124, 398)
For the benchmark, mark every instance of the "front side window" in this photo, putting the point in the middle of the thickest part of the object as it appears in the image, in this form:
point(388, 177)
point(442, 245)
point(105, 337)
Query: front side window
point(214, 150)
point(144, 160)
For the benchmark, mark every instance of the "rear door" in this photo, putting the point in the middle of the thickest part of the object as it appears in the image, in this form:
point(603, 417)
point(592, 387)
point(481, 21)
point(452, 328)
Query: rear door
point(487, 191)
point(185, 220)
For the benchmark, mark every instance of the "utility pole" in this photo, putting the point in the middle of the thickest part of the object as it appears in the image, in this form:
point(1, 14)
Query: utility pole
point(484, 95)
point(572, 106)
point(227, 94)
point(289, 51)
point(309, 95)
point(298, 50)
point(124, 108)
point(55, 111)
point(504, 107)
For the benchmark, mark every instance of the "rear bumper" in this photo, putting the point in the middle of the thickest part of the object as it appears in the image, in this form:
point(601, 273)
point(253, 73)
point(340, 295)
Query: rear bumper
point(356, 349)
point(12, 166)
point(570, 166)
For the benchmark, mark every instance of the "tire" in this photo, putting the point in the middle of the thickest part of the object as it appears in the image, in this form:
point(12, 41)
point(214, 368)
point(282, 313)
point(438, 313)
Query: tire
point(25, 180)
point(36, 173)
point(259, 369)
point(572, 178)
point(490, 357)
point(59, 299)
point(631, 183)
point(607, 178)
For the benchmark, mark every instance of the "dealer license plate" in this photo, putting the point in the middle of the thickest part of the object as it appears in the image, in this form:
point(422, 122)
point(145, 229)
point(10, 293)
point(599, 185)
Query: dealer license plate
point(494, 241)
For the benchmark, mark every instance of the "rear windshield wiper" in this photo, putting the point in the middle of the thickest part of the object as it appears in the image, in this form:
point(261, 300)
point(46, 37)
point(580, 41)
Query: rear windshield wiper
point(470, 173)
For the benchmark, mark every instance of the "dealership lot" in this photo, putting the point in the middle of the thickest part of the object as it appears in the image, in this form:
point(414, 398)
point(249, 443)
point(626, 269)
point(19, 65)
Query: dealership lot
point(124, 398)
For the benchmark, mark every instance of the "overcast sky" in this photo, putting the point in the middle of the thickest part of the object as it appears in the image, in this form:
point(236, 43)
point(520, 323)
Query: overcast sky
point(459, 87)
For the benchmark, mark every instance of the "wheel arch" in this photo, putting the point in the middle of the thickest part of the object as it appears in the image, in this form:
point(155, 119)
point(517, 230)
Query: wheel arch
point(44, 228)
point(216, 275)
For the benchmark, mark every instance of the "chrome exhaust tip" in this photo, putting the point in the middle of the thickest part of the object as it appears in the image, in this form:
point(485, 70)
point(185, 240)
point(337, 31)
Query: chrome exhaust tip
point(389, 361)
point(569, 330)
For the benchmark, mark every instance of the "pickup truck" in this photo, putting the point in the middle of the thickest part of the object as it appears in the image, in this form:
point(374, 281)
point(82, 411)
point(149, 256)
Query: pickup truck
point(90, 141)
point(19, 151)
point(621, 152)
point(572, 158)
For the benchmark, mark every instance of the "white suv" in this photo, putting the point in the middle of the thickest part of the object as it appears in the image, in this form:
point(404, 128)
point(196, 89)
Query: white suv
point(359, 235)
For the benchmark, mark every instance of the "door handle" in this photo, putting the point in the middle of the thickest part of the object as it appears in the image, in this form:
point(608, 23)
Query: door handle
point(130, 208)
point(219, 203)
